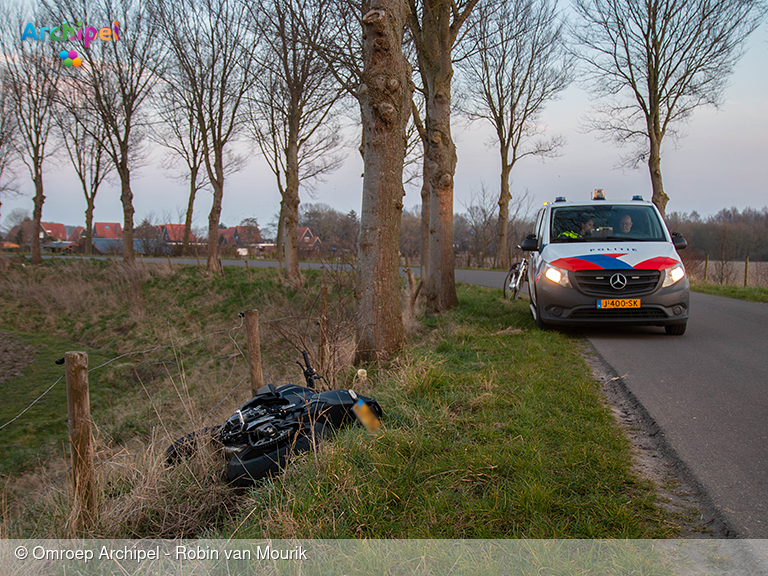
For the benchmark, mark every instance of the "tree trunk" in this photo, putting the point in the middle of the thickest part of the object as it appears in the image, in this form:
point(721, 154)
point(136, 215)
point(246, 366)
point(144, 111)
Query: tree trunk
point(659, 198)
point(425, 200)
point(441, 159)
point(126, 197)
point(88, 248)
point(502, 251)
point(291, 206)
point(280, 234)
point(216, 178)
point(190, 207)
point(385, 97)
point(213, 226)
point(424, 242)
point(37, 215)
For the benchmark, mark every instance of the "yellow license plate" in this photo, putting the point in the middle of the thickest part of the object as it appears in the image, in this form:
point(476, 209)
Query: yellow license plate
point(619, 303)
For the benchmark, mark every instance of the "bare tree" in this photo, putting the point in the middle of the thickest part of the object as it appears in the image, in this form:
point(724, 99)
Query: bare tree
point(83, 135)
point(179, 131)
point(385, 98)
point(482, 224)
point(15, 218)
point(435, 27)
point(294, 109)
point(213, 46)
point(655, 61)
point(8, 133)
point(31, 77)
point(518, 66)
point(119, 75)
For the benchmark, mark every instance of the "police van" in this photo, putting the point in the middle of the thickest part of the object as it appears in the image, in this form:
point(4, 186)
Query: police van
point(601, 262)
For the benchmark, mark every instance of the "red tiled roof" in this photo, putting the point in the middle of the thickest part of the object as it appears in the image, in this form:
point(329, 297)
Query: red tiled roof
point(228, 236)
point(107, 230)
point(75, 236)
point(54, 230)
point(175, 232)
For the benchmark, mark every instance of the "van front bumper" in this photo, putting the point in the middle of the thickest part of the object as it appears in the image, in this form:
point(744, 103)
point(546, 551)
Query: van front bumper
point(559, 305)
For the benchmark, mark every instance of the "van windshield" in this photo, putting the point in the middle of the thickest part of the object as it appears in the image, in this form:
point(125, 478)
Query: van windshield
point(606, 222)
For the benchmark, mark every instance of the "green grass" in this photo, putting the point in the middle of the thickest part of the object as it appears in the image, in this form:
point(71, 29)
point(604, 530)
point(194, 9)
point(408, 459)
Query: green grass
point(43, 428)
point(749, 293)
point(489, 433)
point(492, 429)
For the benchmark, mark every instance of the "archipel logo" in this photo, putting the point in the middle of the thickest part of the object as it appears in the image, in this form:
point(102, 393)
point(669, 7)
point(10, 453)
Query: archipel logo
point(70, 58)
point(65, 32)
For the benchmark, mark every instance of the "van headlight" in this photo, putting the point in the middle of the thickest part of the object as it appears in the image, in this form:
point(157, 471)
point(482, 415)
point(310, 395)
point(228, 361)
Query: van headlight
point(557, 275)
point(673, 275)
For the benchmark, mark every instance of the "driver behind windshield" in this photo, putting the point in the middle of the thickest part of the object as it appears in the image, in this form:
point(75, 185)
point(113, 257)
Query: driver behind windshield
point(625, 224)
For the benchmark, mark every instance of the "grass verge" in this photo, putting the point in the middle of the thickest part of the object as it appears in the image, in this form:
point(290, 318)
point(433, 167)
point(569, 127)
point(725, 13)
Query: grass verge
point(749, 293)
point(492, 430)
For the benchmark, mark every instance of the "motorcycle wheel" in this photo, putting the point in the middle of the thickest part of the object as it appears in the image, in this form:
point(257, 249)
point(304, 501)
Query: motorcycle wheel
point(266, 443)
point(190, 443)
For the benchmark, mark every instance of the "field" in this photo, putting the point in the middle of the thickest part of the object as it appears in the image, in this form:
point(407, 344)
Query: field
point(492, 429)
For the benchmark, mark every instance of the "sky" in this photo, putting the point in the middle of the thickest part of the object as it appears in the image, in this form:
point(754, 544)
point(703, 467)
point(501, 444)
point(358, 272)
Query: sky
point(722, 162)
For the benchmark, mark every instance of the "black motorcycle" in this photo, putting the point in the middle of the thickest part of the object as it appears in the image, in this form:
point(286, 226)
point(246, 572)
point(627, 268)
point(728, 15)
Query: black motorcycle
point(277, 422)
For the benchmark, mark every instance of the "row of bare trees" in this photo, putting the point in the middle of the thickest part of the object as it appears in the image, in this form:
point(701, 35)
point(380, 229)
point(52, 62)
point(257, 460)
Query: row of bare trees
point(200, 75)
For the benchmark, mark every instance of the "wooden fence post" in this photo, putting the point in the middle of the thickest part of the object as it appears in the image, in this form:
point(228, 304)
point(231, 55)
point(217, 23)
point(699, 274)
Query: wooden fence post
point(746, 272)
point(254, 349)
point(79, 411)
point(248, 268)
point(706, 267)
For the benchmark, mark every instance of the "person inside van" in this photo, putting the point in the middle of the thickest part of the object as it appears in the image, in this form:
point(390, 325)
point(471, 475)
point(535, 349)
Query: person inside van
point(586, 228)
point(625, 224)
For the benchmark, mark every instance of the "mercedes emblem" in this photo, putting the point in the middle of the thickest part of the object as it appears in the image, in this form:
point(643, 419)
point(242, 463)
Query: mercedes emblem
point(618, 281)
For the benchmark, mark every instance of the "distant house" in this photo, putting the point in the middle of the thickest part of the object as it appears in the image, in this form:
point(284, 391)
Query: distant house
point(54, 231)
point(173, 234)
point(107, 230)
point(246, 239)
point(48, 232)
point(21, 234)
point(307, 241)
point(77, 233)
point(227, 236)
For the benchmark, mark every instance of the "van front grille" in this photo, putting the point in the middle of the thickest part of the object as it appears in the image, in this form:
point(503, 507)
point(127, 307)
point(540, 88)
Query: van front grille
point(598, 282)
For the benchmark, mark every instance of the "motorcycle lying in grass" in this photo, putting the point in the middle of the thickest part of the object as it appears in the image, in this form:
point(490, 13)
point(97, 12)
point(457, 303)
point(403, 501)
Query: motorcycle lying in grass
point(277, 422)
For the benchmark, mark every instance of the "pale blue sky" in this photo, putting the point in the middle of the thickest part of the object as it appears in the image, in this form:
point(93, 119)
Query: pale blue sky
point(723, 162)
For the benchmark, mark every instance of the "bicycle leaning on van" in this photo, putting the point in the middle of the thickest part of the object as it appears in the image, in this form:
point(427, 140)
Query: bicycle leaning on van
point(516, 277)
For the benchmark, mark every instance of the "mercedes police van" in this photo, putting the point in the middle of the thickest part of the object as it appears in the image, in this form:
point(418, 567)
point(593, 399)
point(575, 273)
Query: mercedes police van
point(606, 262)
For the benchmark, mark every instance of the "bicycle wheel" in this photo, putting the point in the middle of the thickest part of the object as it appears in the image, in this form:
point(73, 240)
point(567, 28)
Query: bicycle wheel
point(509, 283)
point(518, 282)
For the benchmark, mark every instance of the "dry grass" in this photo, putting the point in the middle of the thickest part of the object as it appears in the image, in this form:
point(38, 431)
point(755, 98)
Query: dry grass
point(194, 375)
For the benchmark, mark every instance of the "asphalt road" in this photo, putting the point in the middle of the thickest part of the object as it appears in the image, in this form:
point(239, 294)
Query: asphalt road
point(708, 392)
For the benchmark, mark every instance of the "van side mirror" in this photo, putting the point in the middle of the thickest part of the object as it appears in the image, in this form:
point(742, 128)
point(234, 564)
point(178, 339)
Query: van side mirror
point(530, 244)
point(679, 241)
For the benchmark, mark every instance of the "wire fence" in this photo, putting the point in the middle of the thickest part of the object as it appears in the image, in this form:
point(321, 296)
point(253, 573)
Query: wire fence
point(232, 333)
